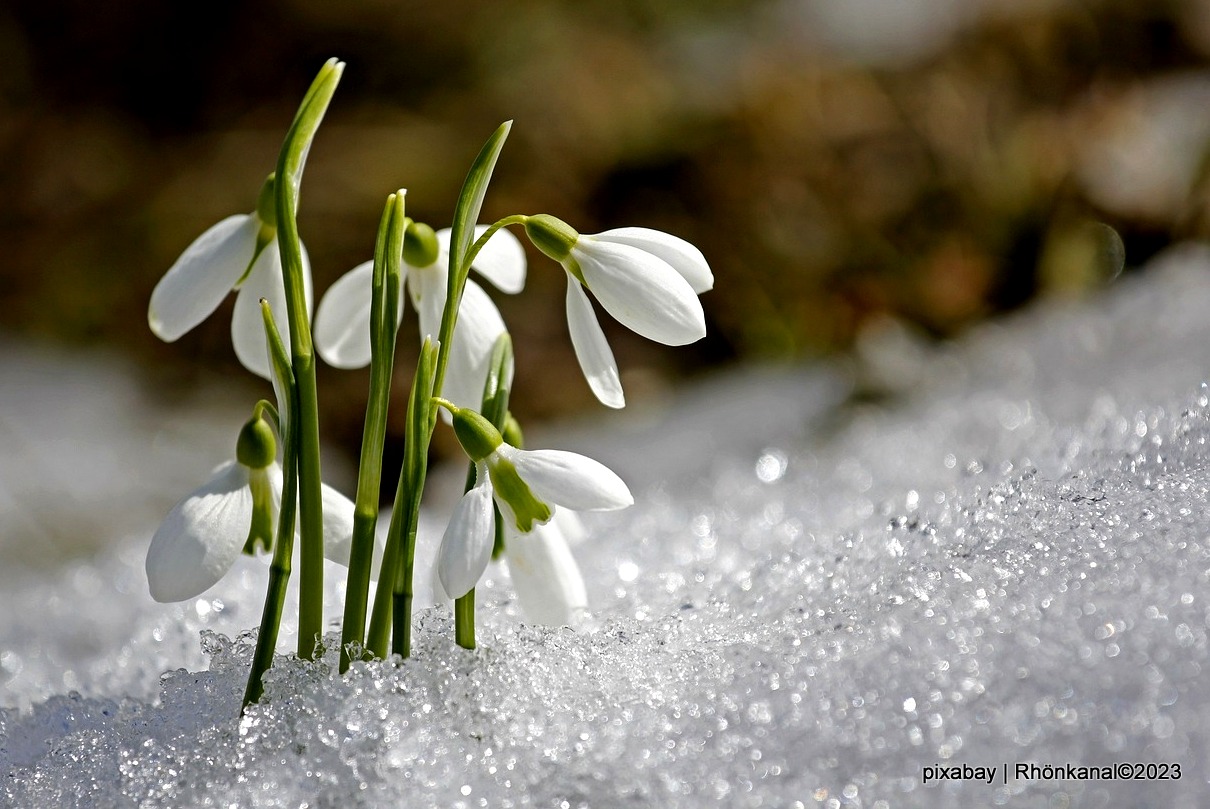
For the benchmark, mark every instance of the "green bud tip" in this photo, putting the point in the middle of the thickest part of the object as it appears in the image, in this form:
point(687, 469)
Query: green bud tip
point(266, 203)
point(508, 486)
point(256, 447)
point(478, 436)
point(264, 515)
point(420, 248)
point(551, 235)
point(512, 431)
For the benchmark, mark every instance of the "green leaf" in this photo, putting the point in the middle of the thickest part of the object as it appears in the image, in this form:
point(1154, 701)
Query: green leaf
point(422, 413)
point(495, 388)
point(279, 361)
point(290, 162)
point(306, 122)
point(470, 200)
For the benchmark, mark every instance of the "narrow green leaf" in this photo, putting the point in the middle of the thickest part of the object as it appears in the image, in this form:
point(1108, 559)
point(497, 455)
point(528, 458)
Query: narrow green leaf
point(279, 362)
point(470, 200)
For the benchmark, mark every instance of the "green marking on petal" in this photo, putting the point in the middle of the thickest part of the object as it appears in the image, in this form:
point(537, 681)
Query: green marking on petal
point(260, 532)
point(510, 488)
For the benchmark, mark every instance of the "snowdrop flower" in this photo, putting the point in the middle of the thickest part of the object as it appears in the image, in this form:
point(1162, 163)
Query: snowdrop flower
point(342, 324)
point(524, 485)
point(648, 280)
point(240, 253)
point(545, 575)
point(236, 509)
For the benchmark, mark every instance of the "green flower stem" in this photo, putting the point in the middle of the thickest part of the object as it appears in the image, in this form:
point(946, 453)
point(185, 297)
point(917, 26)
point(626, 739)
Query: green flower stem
point(289, 176)
point(283, 546)
point(394, 592)
point(464, 620)
point(420, 425)
point(384, 321)
point(495, 409)
point(275, 597)
point(466, 215)
point(473, 252)
point(423, 414)
point(265, 408)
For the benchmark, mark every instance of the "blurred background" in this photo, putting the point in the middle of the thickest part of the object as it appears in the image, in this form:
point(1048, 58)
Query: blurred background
point(850, 168)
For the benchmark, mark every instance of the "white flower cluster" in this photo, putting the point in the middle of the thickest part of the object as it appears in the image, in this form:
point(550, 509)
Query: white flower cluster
point(647, 280)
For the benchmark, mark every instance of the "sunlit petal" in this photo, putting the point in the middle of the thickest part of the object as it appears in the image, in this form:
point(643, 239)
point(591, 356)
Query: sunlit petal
point(479, 324)
point(570, 525)
point(592, 349)
point(568, 479)
point(247, 321)
point(427, 289)
point(201, 537)
point(196, 284)
point(545, 576)
point(501, 261)
point(643, 292)
point(466, 547)
point(342, 324)
point(338, 530)
point(680, 254)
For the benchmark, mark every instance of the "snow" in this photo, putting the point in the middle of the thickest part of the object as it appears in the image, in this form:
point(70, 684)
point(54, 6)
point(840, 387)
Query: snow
point(808, 606)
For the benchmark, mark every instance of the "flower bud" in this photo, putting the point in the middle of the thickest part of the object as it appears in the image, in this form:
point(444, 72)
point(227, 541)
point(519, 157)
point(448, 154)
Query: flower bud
point(266, 203)
point(478, 436)
point(256, 447)
point(551, 235)
point(420, 247)
point(512, 431)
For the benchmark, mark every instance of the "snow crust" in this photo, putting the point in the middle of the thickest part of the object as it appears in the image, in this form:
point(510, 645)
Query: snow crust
point(808, 605)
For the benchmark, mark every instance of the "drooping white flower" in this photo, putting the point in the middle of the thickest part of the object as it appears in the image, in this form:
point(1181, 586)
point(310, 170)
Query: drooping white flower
point(342, 323)
point(203, 534)
point(524, 484)
point(239, 253)
point(545, 576)
point(236, 509)
point(201, 537)
point(648, 280)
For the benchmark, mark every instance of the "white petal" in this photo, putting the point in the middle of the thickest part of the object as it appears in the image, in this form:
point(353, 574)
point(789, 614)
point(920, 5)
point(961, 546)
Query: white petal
point(248, 324)
point(338, 530)
point(680, 254)
point(444, 236)
point(479, 324)
point(201, 537)
point(643, 292)
point(427, 288)
point(196, 284)
point(466, 547)
point(342, 324)
point(568, 479)
point(570, 526)
point(592, 349)
point(426, 584)
point(545, 576)
point(501, 261)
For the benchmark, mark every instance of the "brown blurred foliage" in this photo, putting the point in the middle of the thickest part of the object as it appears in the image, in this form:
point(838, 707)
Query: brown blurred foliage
point(930, 159)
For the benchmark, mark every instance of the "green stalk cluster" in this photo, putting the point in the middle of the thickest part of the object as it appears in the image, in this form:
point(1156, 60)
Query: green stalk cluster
point(389, 618)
